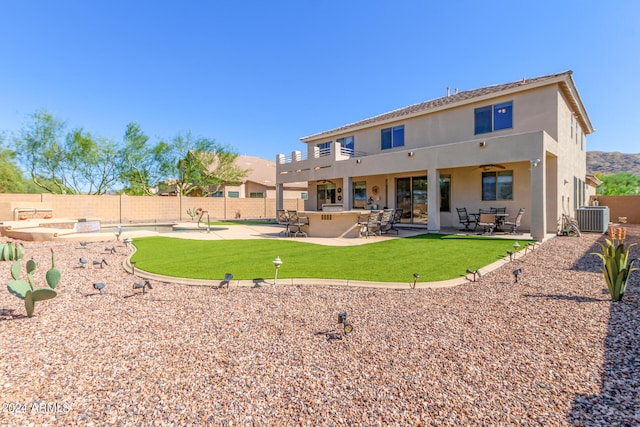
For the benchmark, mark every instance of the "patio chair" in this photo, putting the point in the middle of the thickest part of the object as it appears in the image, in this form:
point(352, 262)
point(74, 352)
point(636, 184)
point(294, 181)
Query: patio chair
point(397, 217)
point(298, 221)
point(369, 224)
point(386, 221)
point(283, 219)
point(516, 222)
point(487, 221)
point(466, 220)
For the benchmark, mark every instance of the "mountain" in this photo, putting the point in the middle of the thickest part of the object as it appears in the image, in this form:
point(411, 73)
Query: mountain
point(608, 163)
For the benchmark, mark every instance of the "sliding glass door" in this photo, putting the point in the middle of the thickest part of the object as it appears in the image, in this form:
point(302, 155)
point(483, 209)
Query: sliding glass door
point(411, 196)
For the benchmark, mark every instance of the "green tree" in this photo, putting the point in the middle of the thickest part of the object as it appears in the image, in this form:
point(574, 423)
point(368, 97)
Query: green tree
point(200, 164)
point(77, 162)
point(141, 165)
point(41, 152)
point(89, 165)
point(11, 177)
point(617, 184)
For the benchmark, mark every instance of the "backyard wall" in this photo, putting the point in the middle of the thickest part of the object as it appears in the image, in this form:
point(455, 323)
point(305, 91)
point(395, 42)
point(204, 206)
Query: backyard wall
point(127, 209)
point(619, 206)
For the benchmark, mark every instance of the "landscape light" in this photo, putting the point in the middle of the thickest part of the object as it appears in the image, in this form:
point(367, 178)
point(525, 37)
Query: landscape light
point(143, 286)
point(475, 273)
point(416, 276)
point(83, 245)
point(517, 273)
point(83, 262)
point(510, 255)
point(99, 286)
point(342, 318)
point(276, 263)
point(133, 267)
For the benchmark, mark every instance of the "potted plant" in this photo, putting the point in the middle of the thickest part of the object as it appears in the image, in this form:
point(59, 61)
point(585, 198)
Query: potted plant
point(616, 266)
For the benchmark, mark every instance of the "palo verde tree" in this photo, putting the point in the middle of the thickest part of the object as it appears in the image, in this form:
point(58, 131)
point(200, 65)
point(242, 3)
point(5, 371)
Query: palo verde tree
point(70, 163)
point(142, 165)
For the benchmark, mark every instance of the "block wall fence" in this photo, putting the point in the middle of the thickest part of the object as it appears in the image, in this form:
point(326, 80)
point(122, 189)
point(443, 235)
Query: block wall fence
point(628, 206)
point(122, 209)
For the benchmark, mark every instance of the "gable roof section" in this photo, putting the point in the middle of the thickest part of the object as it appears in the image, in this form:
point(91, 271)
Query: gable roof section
point(466, 97)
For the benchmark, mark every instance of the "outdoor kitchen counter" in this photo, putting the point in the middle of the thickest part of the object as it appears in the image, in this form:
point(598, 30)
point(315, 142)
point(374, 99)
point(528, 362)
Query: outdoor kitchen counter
point(332, 224)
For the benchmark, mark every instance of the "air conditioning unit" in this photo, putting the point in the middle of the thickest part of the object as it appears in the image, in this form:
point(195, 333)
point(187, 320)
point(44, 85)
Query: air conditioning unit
point(593, 218)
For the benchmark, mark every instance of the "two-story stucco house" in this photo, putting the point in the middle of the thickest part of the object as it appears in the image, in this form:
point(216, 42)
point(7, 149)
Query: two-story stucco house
point(515, 145)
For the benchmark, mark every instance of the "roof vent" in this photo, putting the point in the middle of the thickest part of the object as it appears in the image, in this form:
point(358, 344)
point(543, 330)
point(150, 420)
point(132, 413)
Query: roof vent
point(455, 91)
point(448, 91)
point(524, 81)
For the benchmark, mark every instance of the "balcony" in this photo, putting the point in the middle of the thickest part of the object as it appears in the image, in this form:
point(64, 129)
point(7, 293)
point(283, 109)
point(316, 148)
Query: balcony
point(316, 159)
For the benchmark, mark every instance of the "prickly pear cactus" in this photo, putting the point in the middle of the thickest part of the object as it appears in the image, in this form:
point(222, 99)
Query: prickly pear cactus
point(26, 290)
point(11, 251)
point(53, 275)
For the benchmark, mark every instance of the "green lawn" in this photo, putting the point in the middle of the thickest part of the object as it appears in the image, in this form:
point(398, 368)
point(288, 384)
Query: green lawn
point(433, 256)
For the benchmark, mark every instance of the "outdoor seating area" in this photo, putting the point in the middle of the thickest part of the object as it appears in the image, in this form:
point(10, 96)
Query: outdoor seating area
point(376, 223)
point(490, 220)
point(293, 223)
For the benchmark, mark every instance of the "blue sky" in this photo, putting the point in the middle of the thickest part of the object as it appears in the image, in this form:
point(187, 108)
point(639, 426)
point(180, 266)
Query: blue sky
point(259, 75)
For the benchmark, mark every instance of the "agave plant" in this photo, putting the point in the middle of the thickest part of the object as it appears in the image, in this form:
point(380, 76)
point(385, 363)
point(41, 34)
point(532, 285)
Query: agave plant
point(616, 266)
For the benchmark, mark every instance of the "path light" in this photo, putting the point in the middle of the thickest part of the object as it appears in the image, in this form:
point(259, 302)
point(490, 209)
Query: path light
point(416, 276)
point(83, 245)
point(516, 245)
point(119, 232)
point(475, 273)
point(127, 241)
point(99, 287)
point(83, 262)
point(133, 267)
point(517, 273)
point(510, 255)
point(276, 263)
point(143, 286)
point(111, 250)
point(342, 318)
point(101, 263)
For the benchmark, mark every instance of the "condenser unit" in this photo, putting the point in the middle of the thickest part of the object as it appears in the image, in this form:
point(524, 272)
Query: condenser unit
point(593, 218)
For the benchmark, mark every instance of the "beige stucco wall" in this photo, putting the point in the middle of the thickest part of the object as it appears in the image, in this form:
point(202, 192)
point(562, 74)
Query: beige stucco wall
point(128, 209)
point(621, 206)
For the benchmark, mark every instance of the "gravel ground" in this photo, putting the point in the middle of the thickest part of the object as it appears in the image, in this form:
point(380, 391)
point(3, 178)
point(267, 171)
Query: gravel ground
point(551, 349)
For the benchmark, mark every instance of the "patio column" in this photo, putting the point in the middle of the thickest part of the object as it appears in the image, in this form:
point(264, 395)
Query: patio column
point(538, 199)
point(279, 196)
point(346, 193)
point(433, 200)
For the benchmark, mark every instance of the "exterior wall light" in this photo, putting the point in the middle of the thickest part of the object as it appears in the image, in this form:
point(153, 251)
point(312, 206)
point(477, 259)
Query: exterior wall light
point(410, 153)
point(358, 161)
point(535, 162)
point(482, 144)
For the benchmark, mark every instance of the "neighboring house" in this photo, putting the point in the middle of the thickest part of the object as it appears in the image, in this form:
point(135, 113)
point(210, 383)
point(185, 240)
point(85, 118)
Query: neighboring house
point(514, 145)
point(260, 182)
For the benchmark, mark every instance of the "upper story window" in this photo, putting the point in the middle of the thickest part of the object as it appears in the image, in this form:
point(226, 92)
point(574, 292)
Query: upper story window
point(233, 194)
point(324, 148)
point(256, 195)
point(392, 137)
point(494, 117)
point(347, 144)
point(497, 185)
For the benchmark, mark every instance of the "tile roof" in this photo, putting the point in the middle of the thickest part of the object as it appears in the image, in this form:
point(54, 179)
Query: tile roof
point(439, 102)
